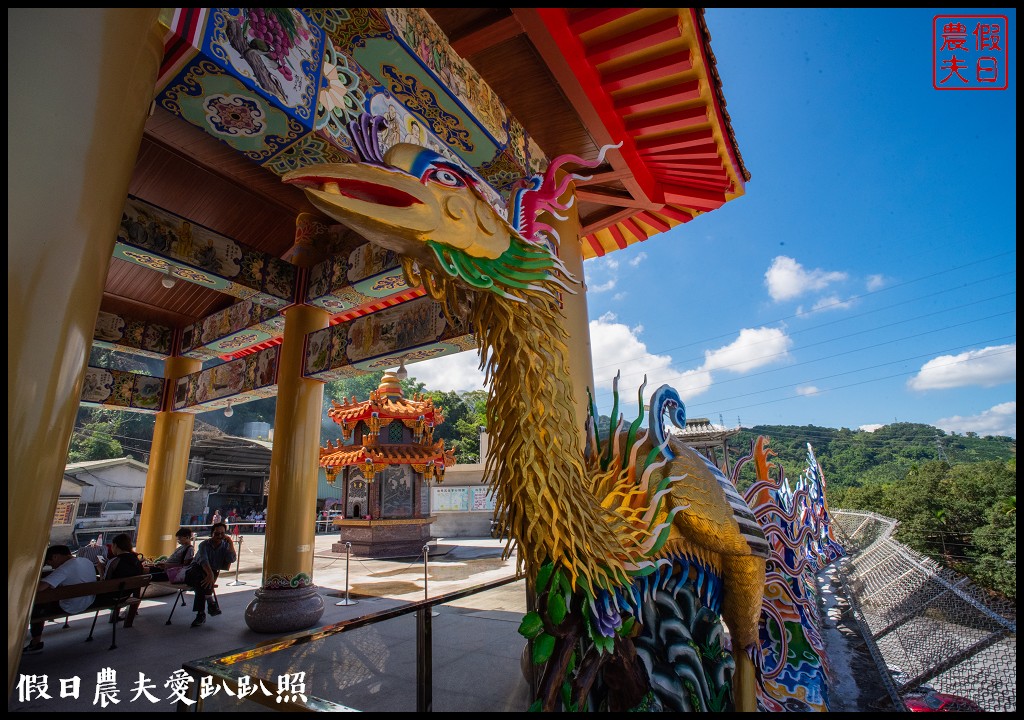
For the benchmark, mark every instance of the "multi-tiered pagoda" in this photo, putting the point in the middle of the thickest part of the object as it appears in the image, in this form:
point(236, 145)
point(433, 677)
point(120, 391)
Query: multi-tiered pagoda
point(385, 461)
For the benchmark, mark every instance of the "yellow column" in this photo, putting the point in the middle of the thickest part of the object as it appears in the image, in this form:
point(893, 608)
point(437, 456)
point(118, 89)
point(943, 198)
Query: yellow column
point(577, 322)
point(168, 464)
point(80, 84)
point(288, 600)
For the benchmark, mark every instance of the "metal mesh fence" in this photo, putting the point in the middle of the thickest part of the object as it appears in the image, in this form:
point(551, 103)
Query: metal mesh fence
point(927, 626)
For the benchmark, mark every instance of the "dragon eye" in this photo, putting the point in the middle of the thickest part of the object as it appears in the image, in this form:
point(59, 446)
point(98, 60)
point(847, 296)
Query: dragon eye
point(446, 177)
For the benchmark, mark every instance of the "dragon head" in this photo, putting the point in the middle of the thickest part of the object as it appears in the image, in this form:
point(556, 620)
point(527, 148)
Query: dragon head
point(433, 213)
point(414, 197)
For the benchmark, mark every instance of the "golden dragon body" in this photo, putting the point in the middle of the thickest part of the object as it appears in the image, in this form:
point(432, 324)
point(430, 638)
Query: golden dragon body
point(599, 522)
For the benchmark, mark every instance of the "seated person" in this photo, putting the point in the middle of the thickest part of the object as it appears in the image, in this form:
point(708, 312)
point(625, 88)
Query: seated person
point(124, 564)
point(94, 551)
point(173, 568)
point(67, 570)
point(213, 555)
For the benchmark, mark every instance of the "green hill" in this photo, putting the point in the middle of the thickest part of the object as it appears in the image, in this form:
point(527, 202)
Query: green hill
point(854, 458)
point(955, 496)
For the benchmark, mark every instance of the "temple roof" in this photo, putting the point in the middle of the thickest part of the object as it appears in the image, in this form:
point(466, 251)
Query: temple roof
point(646, 77)
point(388, 402)
point(505, 91)
point(348, 455)
point(703, 430)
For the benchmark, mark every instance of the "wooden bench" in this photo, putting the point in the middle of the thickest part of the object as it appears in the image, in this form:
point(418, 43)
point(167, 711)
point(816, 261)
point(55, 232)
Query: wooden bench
point(128, 594)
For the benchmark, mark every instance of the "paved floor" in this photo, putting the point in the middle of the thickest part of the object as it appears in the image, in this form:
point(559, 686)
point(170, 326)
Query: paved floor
point(476, 646)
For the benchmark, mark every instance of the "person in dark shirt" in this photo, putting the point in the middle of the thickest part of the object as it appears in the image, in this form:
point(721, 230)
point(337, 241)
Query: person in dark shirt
point(125, 563)
point(213, 555)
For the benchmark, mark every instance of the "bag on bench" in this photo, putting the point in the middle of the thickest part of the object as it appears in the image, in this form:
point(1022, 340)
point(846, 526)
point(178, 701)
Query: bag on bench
point(176, 574)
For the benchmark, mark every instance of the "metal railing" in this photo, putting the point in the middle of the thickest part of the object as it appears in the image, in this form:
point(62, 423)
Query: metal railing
point(298, 652)
point(924, 624)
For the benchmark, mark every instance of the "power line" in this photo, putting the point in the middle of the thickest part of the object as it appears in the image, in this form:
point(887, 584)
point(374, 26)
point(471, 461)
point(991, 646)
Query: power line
point(851, 372)
point(607, 394)
point(854, 297)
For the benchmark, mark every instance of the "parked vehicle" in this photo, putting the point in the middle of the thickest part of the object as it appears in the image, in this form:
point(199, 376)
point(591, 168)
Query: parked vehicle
point(934, 701)
point(901, 678)
point(115, 516)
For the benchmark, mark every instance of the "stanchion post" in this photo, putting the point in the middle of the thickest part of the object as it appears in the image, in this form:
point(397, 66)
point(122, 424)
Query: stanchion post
point(426, 596)
point(426, 557)
point(238, 563)
point(348, 555)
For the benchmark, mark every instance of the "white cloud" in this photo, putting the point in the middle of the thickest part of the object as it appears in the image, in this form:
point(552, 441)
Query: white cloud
point(871, 427)
point(690, 384)
point(752, 349)
point(832, 302)
point(616, 347)
point(875, 282)
point(619, 296)
point(602, 273)
point(807, 390)
point(459, 372)
point(640, 257)
point(998, 420)
point(606, 262)
point(787, 279)
point(603, 287)
point(986, 367)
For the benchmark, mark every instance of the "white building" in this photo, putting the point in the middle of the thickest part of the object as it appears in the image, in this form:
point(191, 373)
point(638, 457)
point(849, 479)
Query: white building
point(109, 500)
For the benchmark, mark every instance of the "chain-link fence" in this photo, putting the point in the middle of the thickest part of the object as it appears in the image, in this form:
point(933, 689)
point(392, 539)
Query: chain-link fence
point(930, 630)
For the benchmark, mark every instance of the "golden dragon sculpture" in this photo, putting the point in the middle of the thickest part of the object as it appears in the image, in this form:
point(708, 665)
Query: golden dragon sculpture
point(601, 532)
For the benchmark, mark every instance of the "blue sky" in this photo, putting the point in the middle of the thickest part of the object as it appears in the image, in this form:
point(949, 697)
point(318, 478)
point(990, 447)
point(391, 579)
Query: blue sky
point(869, 273)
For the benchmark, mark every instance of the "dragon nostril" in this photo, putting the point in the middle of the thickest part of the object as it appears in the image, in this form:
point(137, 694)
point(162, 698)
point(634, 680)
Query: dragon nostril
point(455, 206)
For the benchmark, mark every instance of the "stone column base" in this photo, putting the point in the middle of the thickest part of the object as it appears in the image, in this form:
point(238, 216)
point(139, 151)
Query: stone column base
point(284, 610)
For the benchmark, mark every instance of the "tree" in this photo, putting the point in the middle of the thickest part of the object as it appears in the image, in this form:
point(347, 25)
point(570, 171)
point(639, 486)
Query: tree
point(465, 414)
point(93, 441)
point(995, 550)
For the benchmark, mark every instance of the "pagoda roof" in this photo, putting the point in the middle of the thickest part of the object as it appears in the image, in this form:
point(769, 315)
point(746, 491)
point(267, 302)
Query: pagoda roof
point(388, 403)
point(381, 455)
point(703, 430)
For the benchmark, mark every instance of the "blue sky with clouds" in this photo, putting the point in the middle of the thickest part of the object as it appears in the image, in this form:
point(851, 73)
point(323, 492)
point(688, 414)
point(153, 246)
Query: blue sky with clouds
point(869, 273)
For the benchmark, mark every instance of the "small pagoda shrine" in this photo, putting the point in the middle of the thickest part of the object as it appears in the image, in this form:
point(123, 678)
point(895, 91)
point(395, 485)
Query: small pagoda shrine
point(385, 460)
point(704, 437)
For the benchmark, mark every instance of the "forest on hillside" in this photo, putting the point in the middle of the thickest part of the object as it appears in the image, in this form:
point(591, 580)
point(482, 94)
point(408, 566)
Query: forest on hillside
point(955, 496)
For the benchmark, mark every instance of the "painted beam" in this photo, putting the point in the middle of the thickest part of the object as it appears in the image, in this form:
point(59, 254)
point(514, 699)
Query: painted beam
point(238, 381)
point(122, 390)
point(415, 330)
point(158, 239)
point(128, 335)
